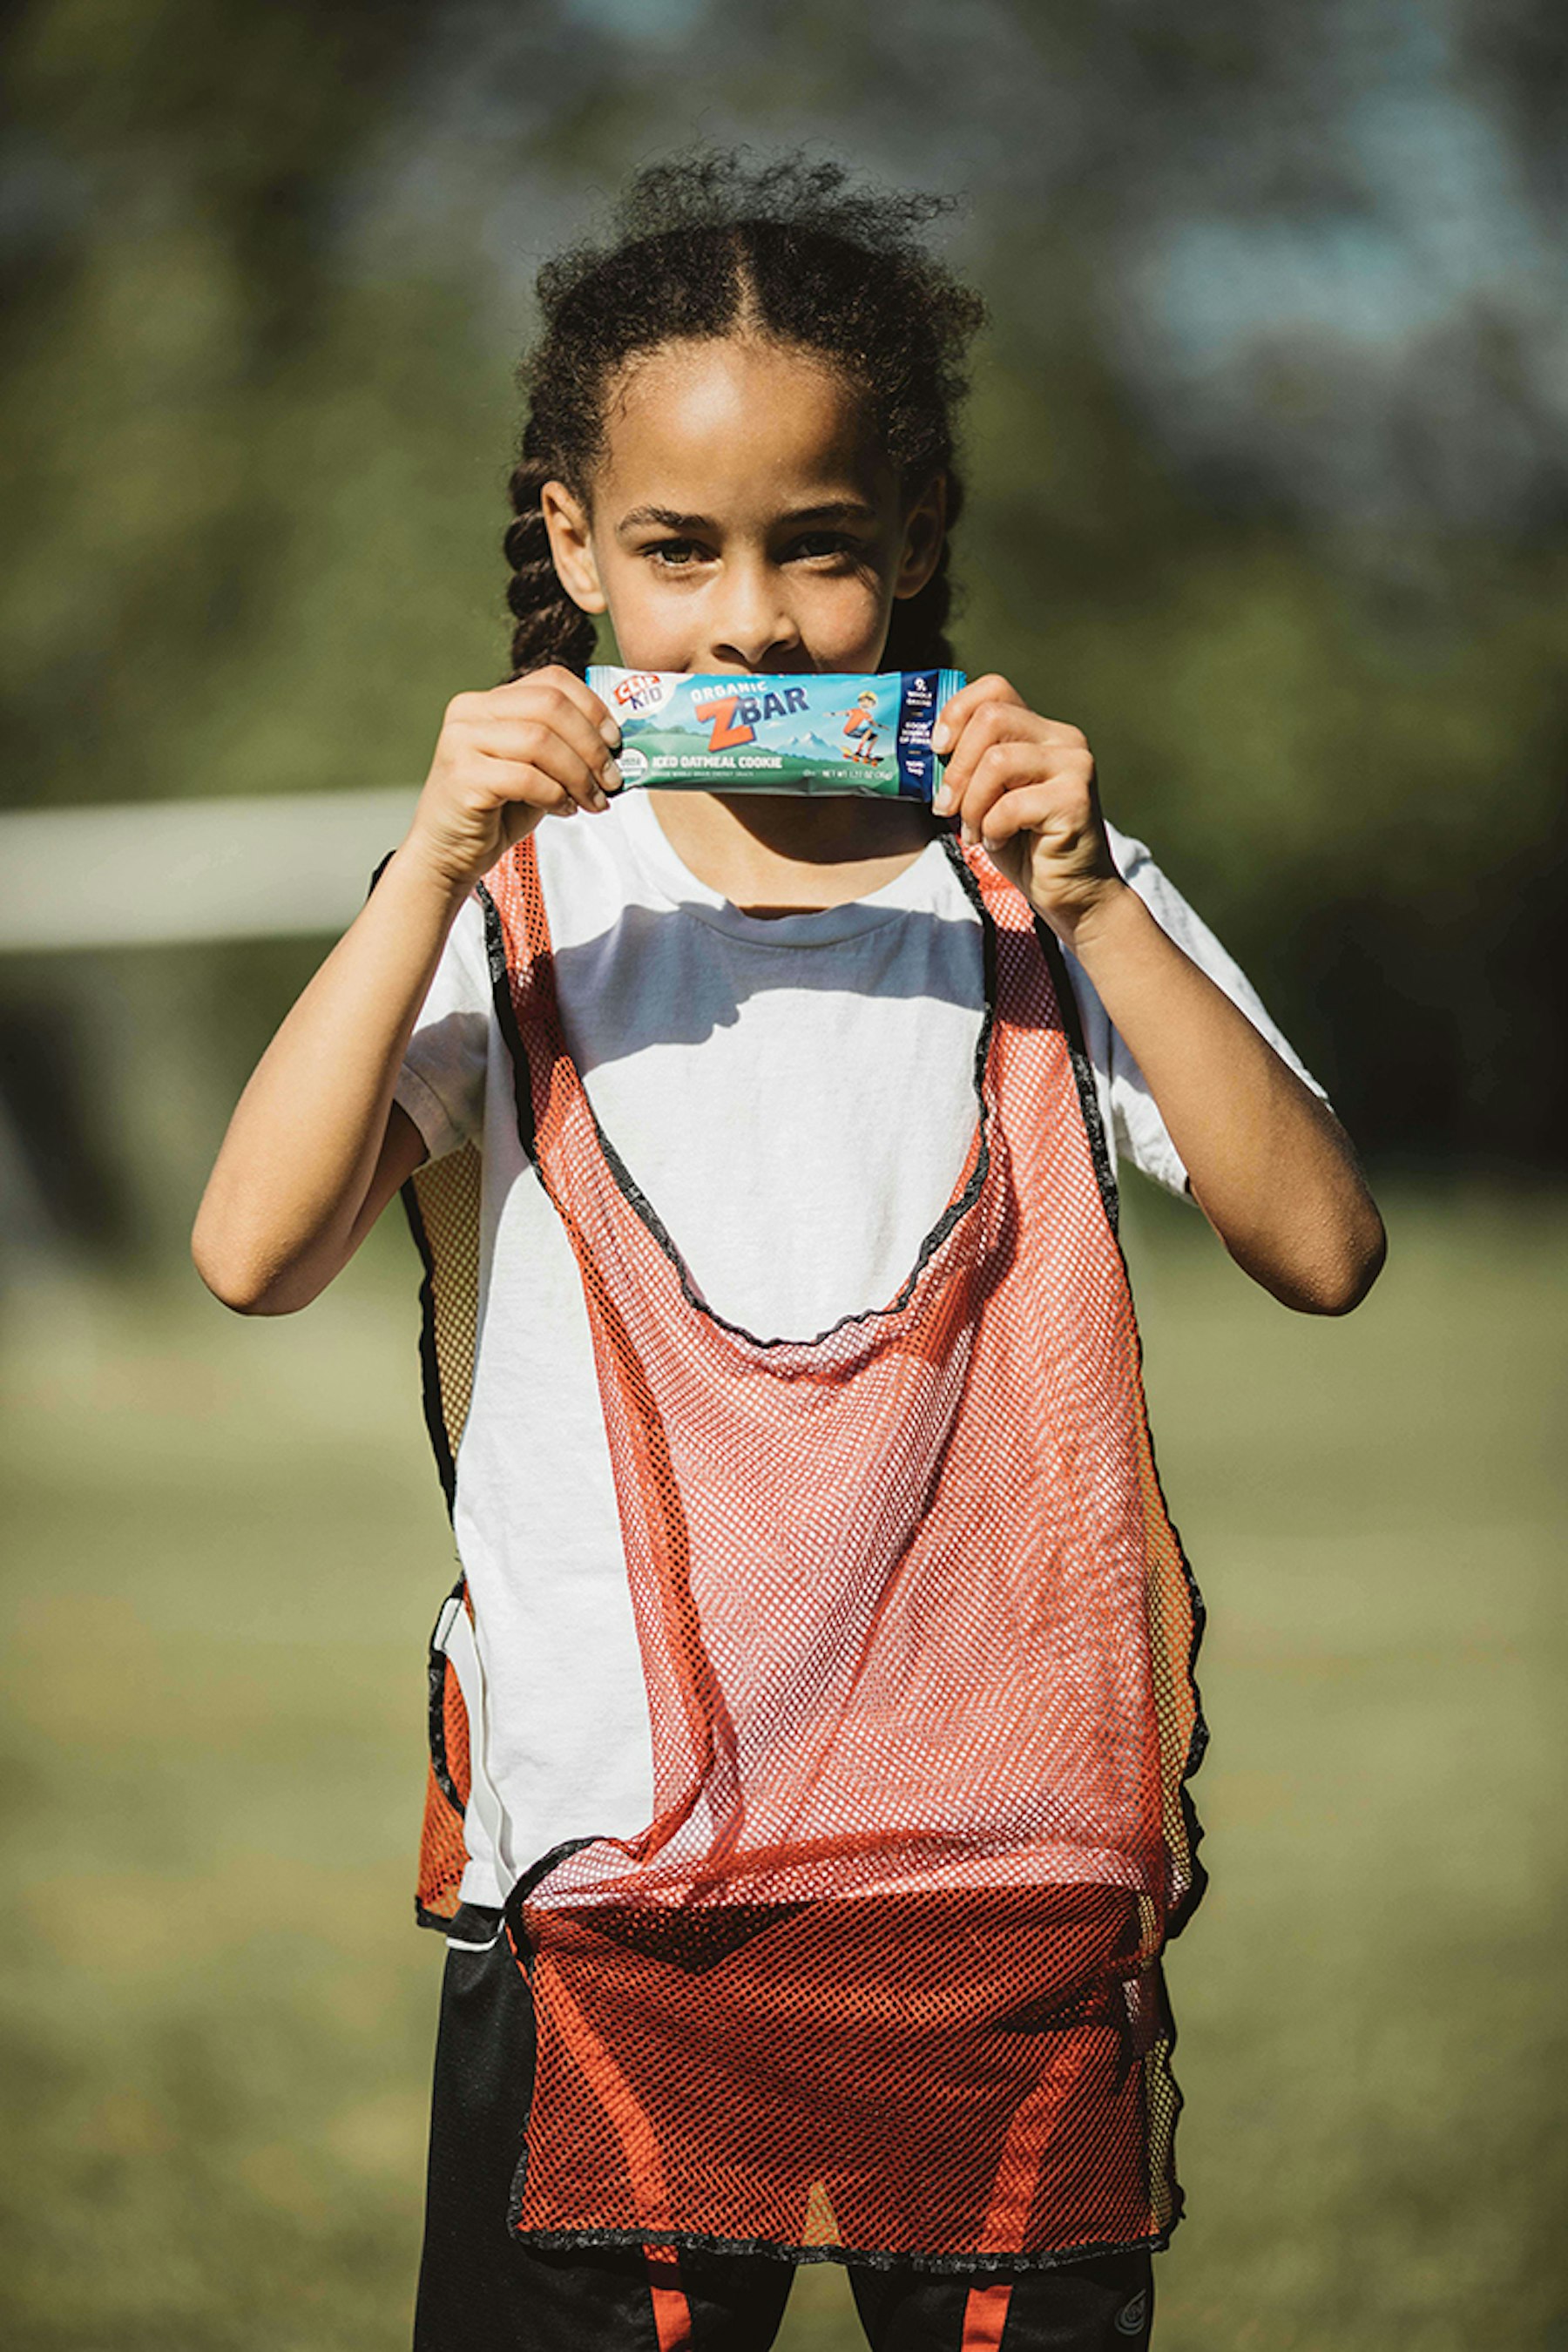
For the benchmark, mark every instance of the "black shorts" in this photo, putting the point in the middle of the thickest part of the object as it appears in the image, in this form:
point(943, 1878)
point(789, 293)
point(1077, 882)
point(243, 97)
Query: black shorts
point(481, 2289)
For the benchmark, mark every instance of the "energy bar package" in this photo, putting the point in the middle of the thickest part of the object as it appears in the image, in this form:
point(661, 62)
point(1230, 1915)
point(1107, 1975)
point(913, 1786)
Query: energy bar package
point(800, 733)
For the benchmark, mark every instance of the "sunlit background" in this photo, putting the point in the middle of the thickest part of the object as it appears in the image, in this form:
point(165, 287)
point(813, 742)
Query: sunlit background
point(1268, 493)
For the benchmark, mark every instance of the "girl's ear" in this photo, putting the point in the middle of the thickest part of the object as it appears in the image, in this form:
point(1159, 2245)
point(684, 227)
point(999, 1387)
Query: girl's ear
point(924, 527)
point(571, 547)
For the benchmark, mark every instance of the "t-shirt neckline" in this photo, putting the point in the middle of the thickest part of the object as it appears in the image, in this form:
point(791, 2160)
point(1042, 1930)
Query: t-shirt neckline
point(917, 887)
point(968, 1185)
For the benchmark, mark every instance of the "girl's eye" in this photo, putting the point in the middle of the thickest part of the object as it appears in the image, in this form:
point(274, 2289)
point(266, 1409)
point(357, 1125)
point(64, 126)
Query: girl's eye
point(683, 554)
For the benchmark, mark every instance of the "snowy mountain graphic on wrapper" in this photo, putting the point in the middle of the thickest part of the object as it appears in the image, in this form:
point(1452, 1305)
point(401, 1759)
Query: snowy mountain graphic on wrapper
point(816, 747)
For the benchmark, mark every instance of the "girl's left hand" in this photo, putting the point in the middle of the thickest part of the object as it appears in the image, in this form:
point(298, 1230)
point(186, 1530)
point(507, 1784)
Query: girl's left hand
point(1024, 786)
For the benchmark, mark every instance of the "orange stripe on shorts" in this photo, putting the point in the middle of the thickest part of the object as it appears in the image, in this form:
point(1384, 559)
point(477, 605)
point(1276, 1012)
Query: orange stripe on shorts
point(984, 2317)
point(672, 2311)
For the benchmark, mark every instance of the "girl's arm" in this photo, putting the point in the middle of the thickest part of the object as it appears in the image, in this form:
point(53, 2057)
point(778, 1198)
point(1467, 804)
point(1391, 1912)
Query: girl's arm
point(313, 1151)
point(1269, 1164)
point(316, 1147)
point(1266, 1161)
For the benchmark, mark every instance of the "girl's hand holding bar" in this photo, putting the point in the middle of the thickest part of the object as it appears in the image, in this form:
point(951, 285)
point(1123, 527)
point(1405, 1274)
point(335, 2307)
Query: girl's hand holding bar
point(541, 746)
point(317, 1146)
point(1269, 1164)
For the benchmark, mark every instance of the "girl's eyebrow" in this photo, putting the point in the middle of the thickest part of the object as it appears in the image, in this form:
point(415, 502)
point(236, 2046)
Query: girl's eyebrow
point(831, 511)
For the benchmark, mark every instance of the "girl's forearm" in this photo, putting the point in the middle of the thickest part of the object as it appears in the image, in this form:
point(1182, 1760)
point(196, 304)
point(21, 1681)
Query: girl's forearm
point(287, 1202)
point(1268, 1163)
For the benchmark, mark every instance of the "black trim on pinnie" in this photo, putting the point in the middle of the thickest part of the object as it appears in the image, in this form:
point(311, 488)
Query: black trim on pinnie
point(430, 1364)
point(429, 1358)
point(439, 1666)
point(858, 2257)
point(512, 1910)
point(1082, 1068)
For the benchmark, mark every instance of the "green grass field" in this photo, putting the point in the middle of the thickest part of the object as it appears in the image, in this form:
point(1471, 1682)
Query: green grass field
point(225, 1547)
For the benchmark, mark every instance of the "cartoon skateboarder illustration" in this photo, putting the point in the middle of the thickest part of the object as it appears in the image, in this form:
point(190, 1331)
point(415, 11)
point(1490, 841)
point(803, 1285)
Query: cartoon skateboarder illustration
point(859, 729)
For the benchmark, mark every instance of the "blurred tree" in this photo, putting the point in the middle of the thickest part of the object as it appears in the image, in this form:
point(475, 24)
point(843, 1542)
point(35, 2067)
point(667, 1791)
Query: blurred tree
point(218, 449)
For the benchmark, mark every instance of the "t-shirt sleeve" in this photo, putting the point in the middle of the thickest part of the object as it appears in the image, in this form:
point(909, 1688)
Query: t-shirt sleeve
point(1137, 1130)
point(441, 1083)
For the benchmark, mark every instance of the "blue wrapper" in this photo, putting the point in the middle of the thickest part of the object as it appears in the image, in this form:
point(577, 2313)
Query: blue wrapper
point(799, 734)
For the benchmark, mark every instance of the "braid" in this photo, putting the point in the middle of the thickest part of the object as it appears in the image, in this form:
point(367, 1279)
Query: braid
point(549, 627)
point(711, 245)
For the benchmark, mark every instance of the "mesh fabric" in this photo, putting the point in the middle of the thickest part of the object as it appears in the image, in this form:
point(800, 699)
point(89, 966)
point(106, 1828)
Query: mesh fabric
point(880, 1977)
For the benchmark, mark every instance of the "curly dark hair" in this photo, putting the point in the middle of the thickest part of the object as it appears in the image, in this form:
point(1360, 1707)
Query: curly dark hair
point(708, 241)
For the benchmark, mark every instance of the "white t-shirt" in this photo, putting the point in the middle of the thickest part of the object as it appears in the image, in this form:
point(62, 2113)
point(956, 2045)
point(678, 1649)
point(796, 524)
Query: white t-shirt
point(795, 1097)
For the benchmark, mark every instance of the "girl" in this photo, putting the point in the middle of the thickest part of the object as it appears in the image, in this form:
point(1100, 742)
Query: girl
point(811, 1721)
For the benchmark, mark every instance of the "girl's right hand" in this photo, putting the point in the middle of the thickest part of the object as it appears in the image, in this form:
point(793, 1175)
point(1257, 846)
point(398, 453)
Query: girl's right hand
point(542, 745)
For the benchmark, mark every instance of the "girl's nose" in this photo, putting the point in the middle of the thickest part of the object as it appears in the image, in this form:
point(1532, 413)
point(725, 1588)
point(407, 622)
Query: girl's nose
point(753, 626)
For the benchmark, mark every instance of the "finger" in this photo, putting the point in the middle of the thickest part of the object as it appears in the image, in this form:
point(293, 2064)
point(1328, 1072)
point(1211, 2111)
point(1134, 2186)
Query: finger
point(556, 734)
point(484, 805)
point(578, 692)
point(522, 742)
point(955, 712)
point(1060, 820)
point(517, 794)
point(989, 723)
point(1002, 769)
point(540, 695)
point(534, 795)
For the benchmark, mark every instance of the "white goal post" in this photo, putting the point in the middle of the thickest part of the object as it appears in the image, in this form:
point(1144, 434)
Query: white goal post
point(154, 873)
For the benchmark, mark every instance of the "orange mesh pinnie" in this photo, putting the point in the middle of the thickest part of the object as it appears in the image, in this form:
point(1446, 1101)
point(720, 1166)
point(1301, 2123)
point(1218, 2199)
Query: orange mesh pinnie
point(880, 1977)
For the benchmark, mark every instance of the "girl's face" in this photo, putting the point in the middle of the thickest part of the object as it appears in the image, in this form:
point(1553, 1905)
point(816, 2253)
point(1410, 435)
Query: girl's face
point(742, 516)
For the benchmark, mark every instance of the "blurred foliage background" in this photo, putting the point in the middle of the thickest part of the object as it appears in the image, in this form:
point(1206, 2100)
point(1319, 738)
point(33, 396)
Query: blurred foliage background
point(1266, 454)
point(1268, 446)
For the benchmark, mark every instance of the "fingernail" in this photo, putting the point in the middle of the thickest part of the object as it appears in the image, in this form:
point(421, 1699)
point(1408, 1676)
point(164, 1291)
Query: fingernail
point(610, 729)
point(597, 799)
point(941, 741)
point(944, 800)
point(613, 777)
point(971, 839)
